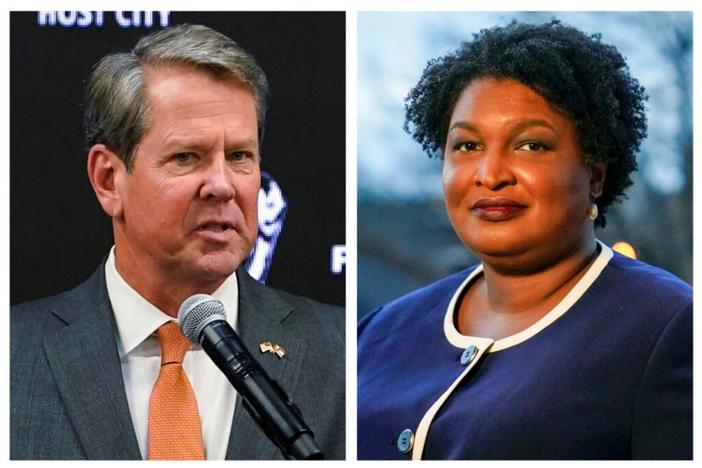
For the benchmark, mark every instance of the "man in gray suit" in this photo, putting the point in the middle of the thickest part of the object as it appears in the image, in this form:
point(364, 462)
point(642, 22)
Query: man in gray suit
point(174, 128)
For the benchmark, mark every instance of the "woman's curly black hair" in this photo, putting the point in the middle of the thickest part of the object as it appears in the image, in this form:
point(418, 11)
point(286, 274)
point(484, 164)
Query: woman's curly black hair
point(585, 78)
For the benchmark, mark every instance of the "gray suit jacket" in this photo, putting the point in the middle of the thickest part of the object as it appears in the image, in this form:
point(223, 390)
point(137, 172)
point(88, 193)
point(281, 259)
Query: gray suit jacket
point(67, 393)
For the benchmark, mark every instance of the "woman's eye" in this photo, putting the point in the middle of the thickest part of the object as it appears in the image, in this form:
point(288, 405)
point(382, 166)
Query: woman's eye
point(532, 146)
point(467, 146)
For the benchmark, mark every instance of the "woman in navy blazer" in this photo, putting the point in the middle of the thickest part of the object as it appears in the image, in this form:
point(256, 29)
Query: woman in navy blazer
point(554, 347)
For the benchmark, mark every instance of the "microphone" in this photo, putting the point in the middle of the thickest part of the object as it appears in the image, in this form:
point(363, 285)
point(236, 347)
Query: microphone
point(202, 320)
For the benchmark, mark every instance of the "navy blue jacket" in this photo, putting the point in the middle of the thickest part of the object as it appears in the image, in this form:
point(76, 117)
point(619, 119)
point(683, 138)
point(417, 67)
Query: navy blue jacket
point(609, 378)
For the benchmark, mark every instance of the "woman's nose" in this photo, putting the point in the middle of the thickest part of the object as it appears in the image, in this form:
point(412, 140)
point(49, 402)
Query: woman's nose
point(494, 171)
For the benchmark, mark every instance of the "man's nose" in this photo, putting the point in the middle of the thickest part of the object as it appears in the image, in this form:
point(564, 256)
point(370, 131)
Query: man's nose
point(218, 182)
point(494, 169)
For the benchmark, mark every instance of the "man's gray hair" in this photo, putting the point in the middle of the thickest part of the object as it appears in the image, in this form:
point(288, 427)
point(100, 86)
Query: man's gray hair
point(116, 111)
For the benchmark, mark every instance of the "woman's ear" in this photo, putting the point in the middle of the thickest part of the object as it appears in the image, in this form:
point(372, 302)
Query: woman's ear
point(105, 171)
point(598, 173)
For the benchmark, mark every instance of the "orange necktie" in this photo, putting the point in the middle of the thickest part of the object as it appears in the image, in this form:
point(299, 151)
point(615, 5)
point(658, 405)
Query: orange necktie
point(174, 422)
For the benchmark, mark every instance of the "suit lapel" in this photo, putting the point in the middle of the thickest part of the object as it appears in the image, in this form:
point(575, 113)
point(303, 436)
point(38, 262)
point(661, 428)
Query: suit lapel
point(263, 316)
point(86, 367)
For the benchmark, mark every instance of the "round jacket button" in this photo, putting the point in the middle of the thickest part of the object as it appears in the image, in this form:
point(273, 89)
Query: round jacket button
point(405, 441)
point(469, 354)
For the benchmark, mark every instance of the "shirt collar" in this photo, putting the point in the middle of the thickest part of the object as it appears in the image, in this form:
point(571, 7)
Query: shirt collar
point(137, 318)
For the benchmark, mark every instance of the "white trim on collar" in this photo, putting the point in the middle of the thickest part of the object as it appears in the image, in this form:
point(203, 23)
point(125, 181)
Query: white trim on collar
point(462, 341)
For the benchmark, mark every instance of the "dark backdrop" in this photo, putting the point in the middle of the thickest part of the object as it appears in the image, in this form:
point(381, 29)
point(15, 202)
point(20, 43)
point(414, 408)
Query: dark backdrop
point(59, 233)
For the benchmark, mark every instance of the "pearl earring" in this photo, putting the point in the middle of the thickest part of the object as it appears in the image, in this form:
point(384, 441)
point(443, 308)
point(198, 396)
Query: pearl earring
point(592, 212)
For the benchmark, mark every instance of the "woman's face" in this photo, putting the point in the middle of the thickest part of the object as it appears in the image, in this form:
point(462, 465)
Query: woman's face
point(516, 186)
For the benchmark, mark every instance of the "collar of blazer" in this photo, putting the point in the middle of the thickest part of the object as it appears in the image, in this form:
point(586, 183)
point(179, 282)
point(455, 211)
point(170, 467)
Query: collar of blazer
point(85, 365)
point(265, 315)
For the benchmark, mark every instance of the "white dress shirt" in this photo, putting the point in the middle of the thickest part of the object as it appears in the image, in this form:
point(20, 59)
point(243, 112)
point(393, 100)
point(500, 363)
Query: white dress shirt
point(140, 356)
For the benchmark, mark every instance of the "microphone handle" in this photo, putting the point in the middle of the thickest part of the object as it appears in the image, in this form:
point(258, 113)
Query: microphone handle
point(263, 398)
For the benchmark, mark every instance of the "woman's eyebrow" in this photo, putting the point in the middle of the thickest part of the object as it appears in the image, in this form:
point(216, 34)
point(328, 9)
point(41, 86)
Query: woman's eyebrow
point(525, 124)
point(464, 125)
point(516, 128)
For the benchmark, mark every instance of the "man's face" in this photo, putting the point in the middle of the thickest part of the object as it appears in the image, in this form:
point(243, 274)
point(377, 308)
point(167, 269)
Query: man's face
point(189, 203)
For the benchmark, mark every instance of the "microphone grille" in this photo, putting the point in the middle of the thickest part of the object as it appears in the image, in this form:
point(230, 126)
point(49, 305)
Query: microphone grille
point(196, 312)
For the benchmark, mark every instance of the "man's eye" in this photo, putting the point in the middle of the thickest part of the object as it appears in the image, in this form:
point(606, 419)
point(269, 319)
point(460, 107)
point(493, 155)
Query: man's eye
point(532, 146)
point(184, 158)
point(239, 156)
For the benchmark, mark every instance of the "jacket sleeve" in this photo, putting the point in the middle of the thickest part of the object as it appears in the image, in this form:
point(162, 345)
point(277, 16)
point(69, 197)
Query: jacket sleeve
point(662, 420)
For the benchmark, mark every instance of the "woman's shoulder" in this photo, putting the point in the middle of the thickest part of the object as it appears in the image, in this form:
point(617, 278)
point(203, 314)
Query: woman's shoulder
point(637, 278)
point(419, 303)
point(633, 292)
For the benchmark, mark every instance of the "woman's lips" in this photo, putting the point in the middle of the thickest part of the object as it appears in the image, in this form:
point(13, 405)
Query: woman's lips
point(496, 209)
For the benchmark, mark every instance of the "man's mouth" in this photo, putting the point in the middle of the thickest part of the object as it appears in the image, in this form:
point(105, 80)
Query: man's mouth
point(215, 227)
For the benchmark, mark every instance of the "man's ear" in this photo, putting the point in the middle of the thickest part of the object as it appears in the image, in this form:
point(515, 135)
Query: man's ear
point(106, 172)
point(597, 180)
